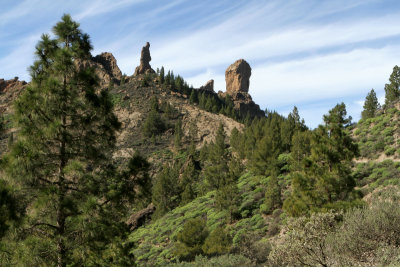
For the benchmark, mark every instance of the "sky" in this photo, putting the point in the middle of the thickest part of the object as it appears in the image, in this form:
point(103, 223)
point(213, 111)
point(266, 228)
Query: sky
point(311, 54)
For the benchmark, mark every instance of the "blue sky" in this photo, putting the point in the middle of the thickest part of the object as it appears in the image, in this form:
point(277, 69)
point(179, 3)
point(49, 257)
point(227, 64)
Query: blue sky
point(309, 53)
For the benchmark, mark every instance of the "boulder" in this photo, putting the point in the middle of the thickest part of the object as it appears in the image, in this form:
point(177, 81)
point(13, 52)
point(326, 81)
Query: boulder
point(145, 59)
point(237, 77)
point(139, 218)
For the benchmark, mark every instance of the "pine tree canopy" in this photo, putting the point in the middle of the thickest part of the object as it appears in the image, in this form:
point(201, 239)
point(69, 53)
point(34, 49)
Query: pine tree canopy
point(371, 105)
point(62, 157)
point(392, 89)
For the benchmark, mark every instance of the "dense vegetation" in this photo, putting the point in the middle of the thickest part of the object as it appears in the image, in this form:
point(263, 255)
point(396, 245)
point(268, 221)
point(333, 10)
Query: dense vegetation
point(274, 193)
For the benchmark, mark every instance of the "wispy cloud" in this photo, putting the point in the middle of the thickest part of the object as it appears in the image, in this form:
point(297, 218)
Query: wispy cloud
point(103, 6)
point(301, 52)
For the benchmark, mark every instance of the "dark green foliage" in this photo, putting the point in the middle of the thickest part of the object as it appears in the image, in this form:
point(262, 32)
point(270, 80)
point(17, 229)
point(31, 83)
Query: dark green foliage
point(217, 169)
point(272, 195)
point(146, 80)
point(325, 176)
point(191, 239)
point(162, 75)
point(250, 245)
point(189, 180)
point(178, 134)
point(218, 242)
point(392, 92)
point(154, 124)
point(371, 105)
point(166, 191)
point(10, 211)
point(193, 97)
point(62, 157)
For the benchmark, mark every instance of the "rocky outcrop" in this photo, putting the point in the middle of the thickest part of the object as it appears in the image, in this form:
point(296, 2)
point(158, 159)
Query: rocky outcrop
point(9, 91)
point(209, 86)
point(13, 84)
point(237, 77)
point(145, 59)
point(109, 63)
point(105, 66)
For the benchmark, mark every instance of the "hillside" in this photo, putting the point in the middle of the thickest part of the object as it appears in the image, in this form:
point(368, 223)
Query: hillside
point(105, 169)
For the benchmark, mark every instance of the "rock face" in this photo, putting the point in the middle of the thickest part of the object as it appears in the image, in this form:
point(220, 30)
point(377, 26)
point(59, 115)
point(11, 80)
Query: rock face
point(105, 66)
point(209, 86)
point(7, 85)
point(145, 59)
point(108, 61)
point(237, 77)
point(138, 219)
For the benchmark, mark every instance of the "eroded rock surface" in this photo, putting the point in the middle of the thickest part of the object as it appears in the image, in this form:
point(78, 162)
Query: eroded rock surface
point(209, 86)
point(109, 63)
point(237, 77)
point(145, 59)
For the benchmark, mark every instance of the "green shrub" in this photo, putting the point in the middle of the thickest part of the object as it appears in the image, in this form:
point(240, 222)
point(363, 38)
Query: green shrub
point(154, 124)
point(191, 239)
point(218, 242)
point(221, 261)
point(389, 151)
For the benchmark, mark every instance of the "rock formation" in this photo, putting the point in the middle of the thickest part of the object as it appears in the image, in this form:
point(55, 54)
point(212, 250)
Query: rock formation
point(138, 219)
point(145, 59)
point(7, 85)
point(237, 77)
point(108, 61)
point(209, 86)
point(105, 66)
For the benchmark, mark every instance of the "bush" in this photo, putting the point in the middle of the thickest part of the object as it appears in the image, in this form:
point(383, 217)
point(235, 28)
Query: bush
point(154, 124)
point(252, 247)
point(221, 261)
point(191, 239)
point(369, 236)
point(389, 151)
point(218, 242)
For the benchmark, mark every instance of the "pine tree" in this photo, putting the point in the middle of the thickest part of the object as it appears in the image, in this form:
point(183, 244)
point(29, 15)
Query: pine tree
point(191, 239)
point(272, 199)
point(9, 210)
point(162, 75)
point(178, 134)
point(217, 168)
point(325, 175)
point(193, 97)
point(62, 156)
point(166, 191)
point(392, 90)
point(268, 147)
point(371, 105)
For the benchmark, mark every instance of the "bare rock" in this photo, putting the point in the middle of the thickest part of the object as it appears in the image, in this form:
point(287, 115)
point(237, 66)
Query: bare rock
point(13, 84)
point(209, 86)
point(105, 66)
point(109, 63)
point(145, 59)
point(237, 77)
point(138, 219)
